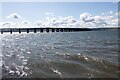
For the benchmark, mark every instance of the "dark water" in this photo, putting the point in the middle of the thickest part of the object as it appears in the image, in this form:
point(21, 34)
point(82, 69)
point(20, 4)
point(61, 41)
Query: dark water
point(92, 54)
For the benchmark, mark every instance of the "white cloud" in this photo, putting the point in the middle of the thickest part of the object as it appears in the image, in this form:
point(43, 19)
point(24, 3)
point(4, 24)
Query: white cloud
point(7, 24)
point(49, 13)
point(61, 22)
point(38, 24)
point(14, 16)
point(102, 13)
point(107, 13)
point(97, 21)
point(0, 24)
point(117, 13)
point(86, 20)
point(111, 12)
point(86, 17)
point(114, 22)
point(25, 24)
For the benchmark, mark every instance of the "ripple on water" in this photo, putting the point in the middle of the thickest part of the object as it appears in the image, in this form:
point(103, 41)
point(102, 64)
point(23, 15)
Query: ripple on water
point(57, 55)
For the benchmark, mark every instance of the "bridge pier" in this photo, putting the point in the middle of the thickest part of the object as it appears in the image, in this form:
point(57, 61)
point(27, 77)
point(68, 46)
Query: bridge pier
point(57, 30)
point(10, 31)
point(61, 30)
point(47, 30)
point(34, 30)
point(27, 30)
point(1, 31)
point(19, 30)
point(53, 30)
point(65, 30)
point(41, 30)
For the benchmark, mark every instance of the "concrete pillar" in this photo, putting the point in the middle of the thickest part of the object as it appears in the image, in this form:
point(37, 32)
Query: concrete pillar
point(68, 30)
point(47, 30)
point(34, 30)
point(61, 30)
point(41, 30)
point(11, 31)
point(57, 30)
point(27, 30)
point(1, 31)
point(53, 30)
point(65, 30)
point(19, 31)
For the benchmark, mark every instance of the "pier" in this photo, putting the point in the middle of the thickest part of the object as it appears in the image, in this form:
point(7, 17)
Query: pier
point(41, 30)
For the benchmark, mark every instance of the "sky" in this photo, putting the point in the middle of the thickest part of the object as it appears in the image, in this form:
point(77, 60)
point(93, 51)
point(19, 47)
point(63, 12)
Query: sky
point(60, 0)
point(57, 14)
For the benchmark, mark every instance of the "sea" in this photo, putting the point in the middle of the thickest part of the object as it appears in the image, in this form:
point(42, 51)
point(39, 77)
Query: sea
point(84, 54)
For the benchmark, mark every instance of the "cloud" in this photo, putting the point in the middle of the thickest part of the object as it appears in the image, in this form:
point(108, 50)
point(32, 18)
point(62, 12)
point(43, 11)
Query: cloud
point(0, 24)
point(86, 20)
point(107, 13)
point(7, 24)
point(14, 16)
point(114, 22)
point(102, 13)
point(86, 17)
point(111, 12)
point(38, 23)
point(118, 14)
point(49, 13)
point(25, 24)
point(61, 22)
point(97, 21)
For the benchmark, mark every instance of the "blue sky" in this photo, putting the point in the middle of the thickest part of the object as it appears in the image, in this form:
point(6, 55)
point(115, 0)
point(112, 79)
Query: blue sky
point(73, 13)
point(60, 0)
point(35, 10)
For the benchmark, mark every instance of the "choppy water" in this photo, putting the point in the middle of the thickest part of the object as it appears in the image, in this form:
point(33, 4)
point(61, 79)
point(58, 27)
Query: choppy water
point(91, 54)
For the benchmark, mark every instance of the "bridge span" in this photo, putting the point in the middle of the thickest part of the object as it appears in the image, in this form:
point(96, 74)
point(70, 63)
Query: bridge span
point(41, 30)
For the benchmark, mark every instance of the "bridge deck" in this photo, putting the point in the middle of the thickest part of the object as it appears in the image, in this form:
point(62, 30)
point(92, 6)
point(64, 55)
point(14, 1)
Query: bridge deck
point(35, 30)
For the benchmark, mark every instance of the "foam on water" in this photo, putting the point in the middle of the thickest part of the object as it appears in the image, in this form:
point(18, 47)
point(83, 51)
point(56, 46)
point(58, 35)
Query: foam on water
point(57, 72)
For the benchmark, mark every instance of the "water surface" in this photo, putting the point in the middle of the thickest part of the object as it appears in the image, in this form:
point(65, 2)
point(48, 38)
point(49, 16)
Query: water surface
point(89, 54)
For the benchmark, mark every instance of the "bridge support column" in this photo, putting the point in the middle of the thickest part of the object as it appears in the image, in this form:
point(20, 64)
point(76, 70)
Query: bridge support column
point(65, 30)
point(11, 31)
point(57, 30)
point(41, 30)
point(53, 30)
point(27, 30)
point(34, 30)
point(1, 31)
point(19, 31)
point(61, 30)
point(47, 30)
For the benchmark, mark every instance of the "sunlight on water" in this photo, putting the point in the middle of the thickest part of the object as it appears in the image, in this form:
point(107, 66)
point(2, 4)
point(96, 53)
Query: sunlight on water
point(0, 56)
point(67, 55)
